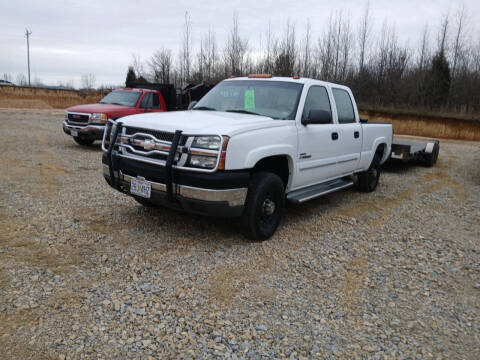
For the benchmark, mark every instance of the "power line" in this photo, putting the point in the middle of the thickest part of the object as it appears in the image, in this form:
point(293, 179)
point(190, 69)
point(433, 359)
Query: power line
point(27, 34)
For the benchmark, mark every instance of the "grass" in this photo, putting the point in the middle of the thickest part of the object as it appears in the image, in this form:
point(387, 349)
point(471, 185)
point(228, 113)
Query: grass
point(419, 112)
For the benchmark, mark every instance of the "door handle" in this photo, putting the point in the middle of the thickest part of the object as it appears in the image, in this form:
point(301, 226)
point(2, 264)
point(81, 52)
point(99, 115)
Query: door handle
point(334, 136)
point(356, 134)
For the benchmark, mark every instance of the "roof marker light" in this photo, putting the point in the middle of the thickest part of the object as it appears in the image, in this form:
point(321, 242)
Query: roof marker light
point(259, 76)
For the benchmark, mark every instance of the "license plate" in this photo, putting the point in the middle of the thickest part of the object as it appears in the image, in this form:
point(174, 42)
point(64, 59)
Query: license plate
point(74, 132)
point(141, 188)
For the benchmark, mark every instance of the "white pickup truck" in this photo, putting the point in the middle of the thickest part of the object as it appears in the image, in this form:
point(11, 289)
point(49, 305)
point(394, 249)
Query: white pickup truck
point(245, 148)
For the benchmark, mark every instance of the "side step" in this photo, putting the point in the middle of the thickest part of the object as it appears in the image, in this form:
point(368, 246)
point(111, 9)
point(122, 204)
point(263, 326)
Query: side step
point(312, 192)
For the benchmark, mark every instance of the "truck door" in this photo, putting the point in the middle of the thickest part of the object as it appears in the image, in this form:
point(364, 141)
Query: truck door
point(151, 103)
point(318, 145)
point(349, 132)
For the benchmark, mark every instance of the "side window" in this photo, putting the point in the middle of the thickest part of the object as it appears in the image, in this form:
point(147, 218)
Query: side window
point(155, 101)
point(344, 106)
point(317, 99)
point(147, 101)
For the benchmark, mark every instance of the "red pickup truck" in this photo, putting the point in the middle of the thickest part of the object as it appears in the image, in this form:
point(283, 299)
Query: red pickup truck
point(86, 123)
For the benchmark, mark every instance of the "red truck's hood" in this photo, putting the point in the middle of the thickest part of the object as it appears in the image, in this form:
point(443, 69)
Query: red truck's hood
point(99, 108)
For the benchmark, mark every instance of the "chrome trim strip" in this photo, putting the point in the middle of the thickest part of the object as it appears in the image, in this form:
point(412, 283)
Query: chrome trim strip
point(347, 160)
point(234, 197)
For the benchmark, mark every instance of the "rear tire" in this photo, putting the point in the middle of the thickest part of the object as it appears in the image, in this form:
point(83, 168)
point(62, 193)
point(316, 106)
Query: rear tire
point(368, 180)
point(263, 207)
point(83, 141)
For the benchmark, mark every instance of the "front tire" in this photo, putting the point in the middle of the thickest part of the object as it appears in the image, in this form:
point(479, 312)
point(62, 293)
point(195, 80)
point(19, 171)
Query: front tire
point(368, 180)
point(264, 206)
point(83, 141)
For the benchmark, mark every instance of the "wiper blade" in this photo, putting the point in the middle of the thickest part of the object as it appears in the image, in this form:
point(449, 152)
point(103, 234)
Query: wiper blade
point(204, 108)
point(241, 111)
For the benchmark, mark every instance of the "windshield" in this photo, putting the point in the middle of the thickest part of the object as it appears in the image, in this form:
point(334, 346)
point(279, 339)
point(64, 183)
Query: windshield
point(121, 97)
point(275, 99)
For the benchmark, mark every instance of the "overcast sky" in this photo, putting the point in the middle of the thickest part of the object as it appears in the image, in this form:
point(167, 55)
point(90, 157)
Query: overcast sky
point(71, 38)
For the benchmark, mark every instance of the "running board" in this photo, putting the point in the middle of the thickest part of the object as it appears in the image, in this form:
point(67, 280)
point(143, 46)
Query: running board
point(312, 192)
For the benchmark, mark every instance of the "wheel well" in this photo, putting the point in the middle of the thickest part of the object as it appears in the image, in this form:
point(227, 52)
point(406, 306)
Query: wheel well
point(381, 150)
point(278, 165)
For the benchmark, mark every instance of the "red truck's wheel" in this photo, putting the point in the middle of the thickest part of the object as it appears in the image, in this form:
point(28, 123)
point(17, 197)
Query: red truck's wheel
point(83, 141)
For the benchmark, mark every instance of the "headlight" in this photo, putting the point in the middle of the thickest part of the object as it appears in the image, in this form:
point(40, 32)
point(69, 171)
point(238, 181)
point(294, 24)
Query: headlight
point(98, 118)
point(205, 162)
point(207, 142)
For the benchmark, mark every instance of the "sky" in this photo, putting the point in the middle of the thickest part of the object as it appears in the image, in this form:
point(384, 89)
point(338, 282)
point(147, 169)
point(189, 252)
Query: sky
point(71, 38)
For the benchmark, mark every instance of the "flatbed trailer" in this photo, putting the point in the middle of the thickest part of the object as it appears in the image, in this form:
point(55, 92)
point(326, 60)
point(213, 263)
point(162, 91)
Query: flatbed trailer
point(424, 152)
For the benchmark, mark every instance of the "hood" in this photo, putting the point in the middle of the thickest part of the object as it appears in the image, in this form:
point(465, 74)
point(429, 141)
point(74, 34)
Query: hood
point(201, 122)
point(98, 108)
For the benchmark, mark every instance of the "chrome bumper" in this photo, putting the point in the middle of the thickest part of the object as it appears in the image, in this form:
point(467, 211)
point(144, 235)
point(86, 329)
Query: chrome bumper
point(83, 128)
point(234, 197)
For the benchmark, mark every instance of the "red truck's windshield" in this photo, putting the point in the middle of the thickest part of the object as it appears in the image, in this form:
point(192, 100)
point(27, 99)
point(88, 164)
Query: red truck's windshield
point(121, 97)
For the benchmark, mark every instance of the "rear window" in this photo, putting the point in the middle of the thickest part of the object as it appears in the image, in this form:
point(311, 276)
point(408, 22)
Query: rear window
point(344, 106)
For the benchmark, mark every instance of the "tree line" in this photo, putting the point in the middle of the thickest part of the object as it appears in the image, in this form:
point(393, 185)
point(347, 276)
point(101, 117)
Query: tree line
point(442, 72)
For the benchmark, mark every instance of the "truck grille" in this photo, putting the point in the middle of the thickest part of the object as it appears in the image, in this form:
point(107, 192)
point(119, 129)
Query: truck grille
point(160, 135)
point(77, 118)
point(166, 137)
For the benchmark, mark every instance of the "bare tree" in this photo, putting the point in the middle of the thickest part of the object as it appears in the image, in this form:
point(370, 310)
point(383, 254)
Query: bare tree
point(306, 58)
point(161, 65)
point(138, 66)
point(364, 32)
point(443, 34)
point(7, 77)
point(21, 79)
point(236, 48)
point(459, 40)
point(88, 81)
point(287, 53)
point(185, 52)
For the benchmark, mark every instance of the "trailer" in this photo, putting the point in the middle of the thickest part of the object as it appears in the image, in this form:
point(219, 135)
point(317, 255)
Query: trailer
point(424, 152)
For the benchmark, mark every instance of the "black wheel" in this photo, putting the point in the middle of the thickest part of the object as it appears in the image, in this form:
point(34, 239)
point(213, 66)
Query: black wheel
point(368, 180)
point(431, 159)
point(83, 141)
point(144, 202)
point(263, 207)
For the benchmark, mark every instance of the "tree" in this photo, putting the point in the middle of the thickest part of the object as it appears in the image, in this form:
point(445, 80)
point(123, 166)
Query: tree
point(438, 81)
point(235, 50)
point(88, 81)
point(185, 53)
point(161, 65)
point(364, 31)
point(21, 79)
point(286, 59)
point(131, 77)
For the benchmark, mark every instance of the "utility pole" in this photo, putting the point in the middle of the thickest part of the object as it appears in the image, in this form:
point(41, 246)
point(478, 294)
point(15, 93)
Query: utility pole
point(27, 34)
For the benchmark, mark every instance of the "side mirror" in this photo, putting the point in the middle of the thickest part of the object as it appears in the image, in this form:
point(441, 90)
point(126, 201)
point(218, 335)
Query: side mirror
point(316, 116)
point(363, 120)
point(192, 104)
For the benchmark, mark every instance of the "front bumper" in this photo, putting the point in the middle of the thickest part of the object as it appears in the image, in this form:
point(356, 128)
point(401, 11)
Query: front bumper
point(222, 202)
point(88, 130)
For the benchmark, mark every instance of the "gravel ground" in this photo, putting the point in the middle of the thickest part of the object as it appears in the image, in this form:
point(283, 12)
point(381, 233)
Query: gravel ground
point(86, 272)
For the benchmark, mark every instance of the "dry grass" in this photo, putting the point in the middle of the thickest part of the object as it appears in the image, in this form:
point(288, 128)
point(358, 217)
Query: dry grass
point(426, 126)
point(37, 98)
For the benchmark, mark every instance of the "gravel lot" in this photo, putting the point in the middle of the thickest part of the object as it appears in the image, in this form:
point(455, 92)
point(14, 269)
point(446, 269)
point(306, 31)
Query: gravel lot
point(86, 272)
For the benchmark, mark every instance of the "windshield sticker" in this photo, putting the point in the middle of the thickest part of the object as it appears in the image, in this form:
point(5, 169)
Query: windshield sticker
point(249, 99)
